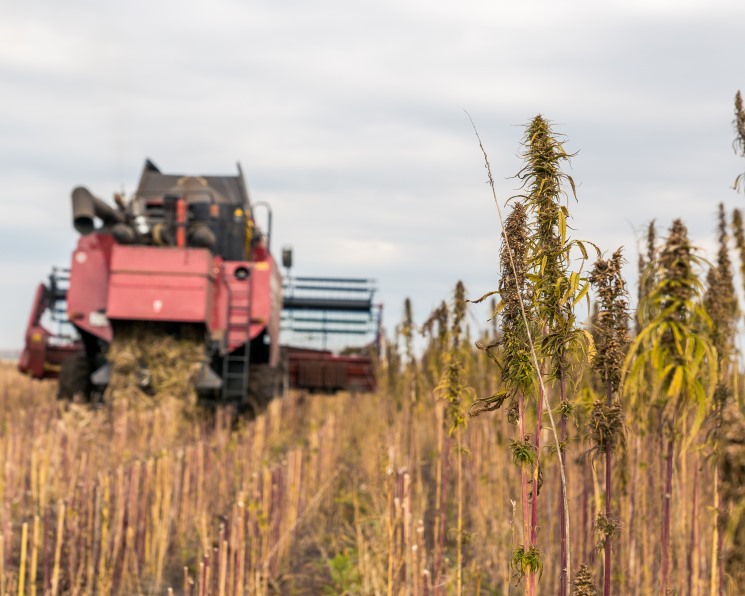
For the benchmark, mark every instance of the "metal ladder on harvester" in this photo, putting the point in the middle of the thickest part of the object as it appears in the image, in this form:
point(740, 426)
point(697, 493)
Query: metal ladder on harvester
point(236, 364)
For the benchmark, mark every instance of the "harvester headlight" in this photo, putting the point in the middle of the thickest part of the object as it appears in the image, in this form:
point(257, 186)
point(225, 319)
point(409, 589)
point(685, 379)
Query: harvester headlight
point(141, 225)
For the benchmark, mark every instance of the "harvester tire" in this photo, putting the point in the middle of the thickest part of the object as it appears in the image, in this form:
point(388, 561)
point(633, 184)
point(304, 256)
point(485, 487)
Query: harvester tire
point(74, 378)
point(262, 386)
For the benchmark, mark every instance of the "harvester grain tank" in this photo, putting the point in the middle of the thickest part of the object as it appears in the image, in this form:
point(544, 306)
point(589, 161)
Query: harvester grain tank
point(184, 257)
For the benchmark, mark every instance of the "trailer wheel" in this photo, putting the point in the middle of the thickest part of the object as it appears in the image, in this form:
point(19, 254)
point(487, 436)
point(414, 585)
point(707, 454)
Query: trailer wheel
point(74, 378)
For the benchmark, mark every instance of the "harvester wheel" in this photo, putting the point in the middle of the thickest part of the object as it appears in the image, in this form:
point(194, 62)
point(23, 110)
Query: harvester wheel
point(74, 378)
point(262, 386)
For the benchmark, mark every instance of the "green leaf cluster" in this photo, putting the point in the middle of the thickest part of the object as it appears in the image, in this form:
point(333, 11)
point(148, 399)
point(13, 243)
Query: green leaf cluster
point(527, 561)
point(672, 363)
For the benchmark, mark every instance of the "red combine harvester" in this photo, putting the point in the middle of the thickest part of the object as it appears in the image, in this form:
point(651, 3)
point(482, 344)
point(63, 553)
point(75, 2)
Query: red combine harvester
point(186, 257)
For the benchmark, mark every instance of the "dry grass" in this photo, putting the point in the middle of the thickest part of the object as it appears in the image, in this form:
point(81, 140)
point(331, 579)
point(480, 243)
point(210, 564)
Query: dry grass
point(118, 501)
point(336, 494)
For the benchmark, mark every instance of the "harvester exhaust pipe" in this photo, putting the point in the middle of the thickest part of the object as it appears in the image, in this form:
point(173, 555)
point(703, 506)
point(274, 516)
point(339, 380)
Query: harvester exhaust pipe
point(85, 207)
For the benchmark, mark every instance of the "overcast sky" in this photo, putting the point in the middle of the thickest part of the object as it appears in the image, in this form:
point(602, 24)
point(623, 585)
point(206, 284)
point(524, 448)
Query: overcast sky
point(348, 117)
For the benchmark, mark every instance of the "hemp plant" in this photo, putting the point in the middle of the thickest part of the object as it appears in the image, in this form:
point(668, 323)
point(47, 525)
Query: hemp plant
point(435, 331)
point(739, 142)
point(739, 234)
point(674, 345)
point(646, 279)
point(606, 420)
point(517, 373)
point(407, 329)
point(454, 389)
point(555, 343)
point(720, 302)
point(556, 290)
point(583, 584)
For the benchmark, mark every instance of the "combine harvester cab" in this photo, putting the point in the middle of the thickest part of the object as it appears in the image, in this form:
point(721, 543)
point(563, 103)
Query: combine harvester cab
point(183, 258)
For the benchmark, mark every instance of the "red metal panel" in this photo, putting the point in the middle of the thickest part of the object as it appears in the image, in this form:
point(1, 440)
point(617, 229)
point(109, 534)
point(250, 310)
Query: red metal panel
point(161, 284)
point(321, 370)
point(275, 287)
point(265, 304)
point(89, 284)
point(162, 260)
